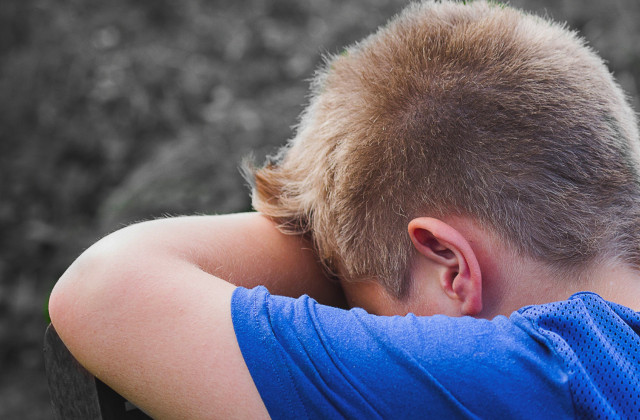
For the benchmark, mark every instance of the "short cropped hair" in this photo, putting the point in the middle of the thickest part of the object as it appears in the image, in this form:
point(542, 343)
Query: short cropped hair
point(474, 110)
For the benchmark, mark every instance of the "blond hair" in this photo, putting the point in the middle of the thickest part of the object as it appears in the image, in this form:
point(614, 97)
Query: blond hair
point(473, 109)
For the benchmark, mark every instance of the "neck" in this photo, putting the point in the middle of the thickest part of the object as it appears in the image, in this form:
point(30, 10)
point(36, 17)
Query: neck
point(616, 282)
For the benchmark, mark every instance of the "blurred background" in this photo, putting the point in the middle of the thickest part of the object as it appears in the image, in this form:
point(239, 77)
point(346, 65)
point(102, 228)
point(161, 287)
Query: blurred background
point(113, 112)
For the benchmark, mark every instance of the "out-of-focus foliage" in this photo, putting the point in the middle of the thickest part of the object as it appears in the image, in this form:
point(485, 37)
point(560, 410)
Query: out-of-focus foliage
point(121, 110)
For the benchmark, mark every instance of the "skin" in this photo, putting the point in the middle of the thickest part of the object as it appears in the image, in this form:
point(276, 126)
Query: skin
point(147, 309)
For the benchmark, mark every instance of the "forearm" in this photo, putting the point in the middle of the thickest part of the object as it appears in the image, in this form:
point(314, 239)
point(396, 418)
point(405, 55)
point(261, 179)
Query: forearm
point(250, 251)
point(244, 249)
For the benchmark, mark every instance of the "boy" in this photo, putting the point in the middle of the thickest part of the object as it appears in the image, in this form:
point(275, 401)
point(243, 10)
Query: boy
point(465, 162)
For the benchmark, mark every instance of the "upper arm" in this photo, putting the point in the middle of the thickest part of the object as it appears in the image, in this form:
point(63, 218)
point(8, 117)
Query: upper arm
point(166, 344)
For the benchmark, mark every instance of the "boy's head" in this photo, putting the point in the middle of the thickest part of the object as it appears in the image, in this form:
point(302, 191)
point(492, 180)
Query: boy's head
point(473, 110)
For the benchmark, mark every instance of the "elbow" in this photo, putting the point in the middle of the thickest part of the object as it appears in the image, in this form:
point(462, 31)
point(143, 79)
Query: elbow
point(87, 294)
point(75, 297)
point(65, 302)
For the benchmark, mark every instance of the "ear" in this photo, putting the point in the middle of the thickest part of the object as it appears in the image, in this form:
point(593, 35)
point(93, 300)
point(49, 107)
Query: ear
point(459, 273)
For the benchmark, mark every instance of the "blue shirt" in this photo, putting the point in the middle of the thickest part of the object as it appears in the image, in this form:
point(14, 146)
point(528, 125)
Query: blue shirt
point(575, 358)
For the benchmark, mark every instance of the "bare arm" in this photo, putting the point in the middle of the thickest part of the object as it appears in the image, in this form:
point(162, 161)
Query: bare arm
point(146, 309)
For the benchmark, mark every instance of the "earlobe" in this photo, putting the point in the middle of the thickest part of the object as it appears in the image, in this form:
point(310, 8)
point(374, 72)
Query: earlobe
point(460, 277)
